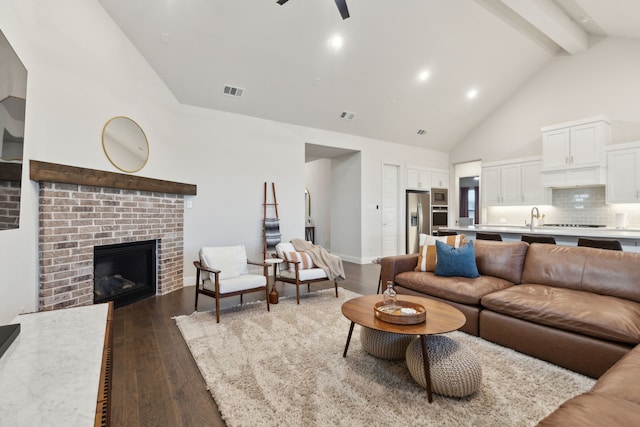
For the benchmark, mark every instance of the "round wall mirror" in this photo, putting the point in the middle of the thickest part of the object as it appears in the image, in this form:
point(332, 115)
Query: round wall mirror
point(125, 144)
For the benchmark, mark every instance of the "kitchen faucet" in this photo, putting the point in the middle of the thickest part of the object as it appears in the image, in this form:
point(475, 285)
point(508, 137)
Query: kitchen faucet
point(537, 215)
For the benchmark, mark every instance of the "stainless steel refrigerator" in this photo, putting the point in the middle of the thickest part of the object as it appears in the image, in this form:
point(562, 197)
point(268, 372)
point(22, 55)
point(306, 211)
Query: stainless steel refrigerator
point(418, 218)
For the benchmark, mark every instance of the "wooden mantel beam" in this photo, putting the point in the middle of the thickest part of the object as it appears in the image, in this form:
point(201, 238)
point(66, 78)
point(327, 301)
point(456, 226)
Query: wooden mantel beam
point(53, 172)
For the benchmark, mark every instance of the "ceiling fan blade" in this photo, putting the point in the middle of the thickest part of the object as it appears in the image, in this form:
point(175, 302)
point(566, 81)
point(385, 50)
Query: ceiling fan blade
point(342, 7)
point(281, 2)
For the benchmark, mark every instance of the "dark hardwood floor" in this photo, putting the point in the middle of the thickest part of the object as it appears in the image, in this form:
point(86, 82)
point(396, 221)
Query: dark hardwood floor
point(155, 380)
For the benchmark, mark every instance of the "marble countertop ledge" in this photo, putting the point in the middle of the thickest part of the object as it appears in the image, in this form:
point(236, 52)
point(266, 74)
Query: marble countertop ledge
point(602, 232)
point(50, 375)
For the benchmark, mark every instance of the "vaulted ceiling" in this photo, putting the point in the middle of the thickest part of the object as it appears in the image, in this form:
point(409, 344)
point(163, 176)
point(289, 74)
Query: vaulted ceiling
point(283, 59)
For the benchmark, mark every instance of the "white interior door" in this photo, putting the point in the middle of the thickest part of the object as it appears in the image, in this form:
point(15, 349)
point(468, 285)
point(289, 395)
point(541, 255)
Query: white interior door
point(390, 210)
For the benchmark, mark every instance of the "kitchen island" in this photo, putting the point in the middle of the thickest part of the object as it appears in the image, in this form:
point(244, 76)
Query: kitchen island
point(56, 371)
point(629, 238)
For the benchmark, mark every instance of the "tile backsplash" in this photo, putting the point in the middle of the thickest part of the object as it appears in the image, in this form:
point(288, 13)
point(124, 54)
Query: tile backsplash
point(581, 205)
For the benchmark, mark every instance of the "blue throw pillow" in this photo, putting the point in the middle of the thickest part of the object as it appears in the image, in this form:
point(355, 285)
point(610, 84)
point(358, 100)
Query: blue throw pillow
point(456, 262)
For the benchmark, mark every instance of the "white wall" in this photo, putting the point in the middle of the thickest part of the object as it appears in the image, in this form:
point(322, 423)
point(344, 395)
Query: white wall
point(230, 157)
point(601, 80)
point(83, 71)
point(346, 207)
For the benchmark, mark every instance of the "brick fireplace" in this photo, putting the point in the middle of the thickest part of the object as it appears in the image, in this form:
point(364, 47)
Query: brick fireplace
point(73, 218)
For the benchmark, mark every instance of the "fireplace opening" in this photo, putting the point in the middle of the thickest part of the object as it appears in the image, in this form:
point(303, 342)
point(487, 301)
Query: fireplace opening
point(124, 273)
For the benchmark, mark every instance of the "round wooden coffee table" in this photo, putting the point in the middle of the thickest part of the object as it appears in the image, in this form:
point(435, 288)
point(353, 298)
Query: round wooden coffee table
point(441, 318)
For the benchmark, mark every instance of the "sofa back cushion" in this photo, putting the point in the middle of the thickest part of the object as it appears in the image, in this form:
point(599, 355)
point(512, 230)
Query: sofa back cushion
point(427, 258)
point(612, 273)
point(501, 259)
point(554, 265)
point(604, 272)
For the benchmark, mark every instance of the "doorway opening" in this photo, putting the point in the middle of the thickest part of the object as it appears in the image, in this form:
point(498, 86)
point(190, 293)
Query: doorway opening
point(469, 204)
point(466, 201)
point(333, 181)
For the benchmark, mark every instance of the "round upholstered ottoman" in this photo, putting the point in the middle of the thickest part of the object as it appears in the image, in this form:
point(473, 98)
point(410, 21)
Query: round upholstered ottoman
point(455, 368)
point(384, 345)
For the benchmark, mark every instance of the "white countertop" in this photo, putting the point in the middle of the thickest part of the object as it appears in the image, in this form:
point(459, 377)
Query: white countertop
point(603, 232)
point(50, 374)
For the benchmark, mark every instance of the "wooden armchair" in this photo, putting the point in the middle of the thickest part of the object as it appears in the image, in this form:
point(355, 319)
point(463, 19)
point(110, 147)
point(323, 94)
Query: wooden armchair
point(298, 271)
point(223, 272)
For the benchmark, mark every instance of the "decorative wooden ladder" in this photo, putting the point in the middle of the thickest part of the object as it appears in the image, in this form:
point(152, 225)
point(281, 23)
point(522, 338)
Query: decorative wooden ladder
point(271, 237)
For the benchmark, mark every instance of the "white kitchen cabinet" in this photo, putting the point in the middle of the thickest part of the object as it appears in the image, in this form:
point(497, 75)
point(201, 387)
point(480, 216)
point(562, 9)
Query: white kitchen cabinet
point(575, 144)
point(512, 184)
point(623, 174)
point(439, 180)
point(573, 152)
point(418, 179)
point(491, 186)
point(425, 179)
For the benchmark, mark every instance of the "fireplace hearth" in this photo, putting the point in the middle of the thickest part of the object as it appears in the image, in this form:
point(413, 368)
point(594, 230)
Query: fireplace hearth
point(125, 272)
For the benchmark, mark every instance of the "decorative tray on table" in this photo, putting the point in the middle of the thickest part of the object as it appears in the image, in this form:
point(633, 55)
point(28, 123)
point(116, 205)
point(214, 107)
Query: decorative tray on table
point(402, 313)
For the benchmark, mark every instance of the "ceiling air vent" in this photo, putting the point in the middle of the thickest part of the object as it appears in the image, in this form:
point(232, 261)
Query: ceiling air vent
point(234, 91)
point(422, 131)
point(346, 115)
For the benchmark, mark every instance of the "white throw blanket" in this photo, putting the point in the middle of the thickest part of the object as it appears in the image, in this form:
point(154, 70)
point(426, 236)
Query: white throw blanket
point(331, 264)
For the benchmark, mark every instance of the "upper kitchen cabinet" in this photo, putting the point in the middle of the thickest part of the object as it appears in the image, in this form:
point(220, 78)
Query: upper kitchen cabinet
point(572, 152)
point(623, 173)
point(513, 183)
point(425, 179)
point(439, 179)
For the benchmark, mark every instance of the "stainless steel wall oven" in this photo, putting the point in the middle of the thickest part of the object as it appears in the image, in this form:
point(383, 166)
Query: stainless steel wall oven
point(439, 217)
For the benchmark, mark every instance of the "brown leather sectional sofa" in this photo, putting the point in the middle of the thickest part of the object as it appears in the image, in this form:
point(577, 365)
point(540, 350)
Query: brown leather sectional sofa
point(614, 400)
point(576, 307)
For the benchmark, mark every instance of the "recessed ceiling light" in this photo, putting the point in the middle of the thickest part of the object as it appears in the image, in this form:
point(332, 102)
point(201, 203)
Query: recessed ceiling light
point(472, 93)
point(336, 42)
point(424, 75)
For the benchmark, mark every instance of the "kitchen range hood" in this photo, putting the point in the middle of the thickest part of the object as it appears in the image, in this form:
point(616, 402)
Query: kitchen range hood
point(579, 177)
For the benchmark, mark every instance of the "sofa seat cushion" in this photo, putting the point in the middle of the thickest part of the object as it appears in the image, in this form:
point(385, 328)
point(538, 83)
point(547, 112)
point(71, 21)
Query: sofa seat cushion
point(308, 274)
point(586, 313)
point(457, 289)
point(621, 381)
point(594, 409)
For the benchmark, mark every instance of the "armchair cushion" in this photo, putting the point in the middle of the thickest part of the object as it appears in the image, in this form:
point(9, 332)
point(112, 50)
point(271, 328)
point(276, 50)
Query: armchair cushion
point(302, 257)
point(230, 260)
point(240, 283)
point(309, 274)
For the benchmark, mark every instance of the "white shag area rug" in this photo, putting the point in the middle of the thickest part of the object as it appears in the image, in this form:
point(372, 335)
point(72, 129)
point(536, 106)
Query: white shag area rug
point(285, 368)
